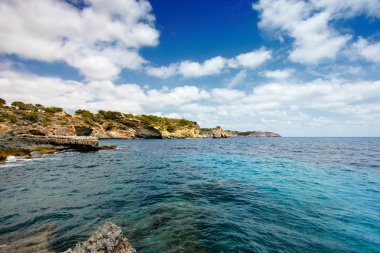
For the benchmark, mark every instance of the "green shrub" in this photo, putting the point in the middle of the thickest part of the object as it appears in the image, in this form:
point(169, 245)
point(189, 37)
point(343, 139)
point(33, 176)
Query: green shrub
point(171, 129)
point(85, 114)
point(46, 124)
point(32, 117)
point(53, 109)
point(108, 126)
point(7, 117)
point(24, 107)
point(110, 115)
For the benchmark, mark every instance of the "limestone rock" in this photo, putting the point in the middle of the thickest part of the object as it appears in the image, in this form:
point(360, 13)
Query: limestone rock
point(108, 239)
point(218, 132)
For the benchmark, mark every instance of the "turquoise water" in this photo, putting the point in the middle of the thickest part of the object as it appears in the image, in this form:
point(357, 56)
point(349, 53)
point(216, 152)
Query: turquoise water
point(205, 195)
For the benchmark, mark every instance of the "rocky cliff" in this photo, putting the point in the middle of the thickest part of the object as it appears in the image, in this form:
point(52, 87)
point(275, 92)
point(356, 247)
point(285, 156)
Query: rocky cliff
point(28, 119)
point(38, 120)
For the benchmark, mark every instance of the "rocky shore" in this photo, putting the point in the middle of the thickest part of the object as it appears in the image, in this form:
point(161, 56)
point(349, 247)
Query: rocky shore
point(107, 239)
point(25, 145)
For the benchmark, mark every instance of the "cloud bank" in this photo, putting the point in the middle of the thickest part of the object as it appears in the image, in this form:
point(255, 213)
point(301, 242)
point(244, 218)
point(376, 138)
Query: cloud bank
point(99, 40)
point(318, 107)
point(213, 66)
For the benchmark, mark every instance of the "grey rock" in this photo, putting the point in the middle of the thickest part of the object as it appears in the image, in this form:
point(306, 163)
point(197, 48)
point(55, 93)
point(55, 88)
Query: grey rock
point(108, 239)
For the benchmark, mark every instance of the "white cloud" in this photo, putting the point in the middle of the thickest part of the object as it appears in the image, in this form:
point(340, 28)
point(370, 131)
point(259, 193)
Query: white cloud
point(309, 24)
point(99, 40)
point(237, 79)
point(319, 107)
point(368, 51)
point(278, 74)
point(350, 8)
point(251, 59)
point(162, 72)
point(213, 66)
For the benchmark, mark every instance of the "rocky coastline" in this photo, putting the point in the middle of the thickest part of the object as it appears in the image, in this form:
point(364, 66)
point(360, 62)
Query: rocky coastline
point(27, 128)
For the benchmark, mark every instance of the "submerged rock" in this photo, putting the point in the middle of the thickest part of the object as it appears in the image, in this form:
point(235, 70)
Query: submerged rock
point(32, 241)
point(108, 239)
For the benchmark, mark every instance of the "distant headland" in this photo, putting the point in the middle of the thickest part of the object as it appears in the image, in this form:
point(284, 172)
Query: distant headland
point(29, 127)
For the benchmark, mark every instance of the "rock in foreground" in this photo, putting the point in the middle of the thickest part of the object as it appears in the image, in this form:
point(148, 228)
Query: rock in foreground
point(108, 239)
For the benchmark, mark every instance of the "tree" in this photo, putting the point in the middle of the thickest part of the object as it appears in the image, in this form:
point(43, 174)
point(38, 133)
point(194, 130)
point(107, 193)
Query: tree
point(22, 106)
point(2, 102)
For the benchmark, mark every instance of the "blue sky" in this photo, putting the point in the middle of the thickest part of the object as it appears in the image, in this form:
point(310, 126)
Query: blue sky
point(300, 68)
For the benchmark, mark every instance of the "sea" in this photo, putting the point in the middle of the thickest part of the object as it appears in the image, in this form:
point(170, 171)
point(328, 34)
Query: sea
point(203, 195)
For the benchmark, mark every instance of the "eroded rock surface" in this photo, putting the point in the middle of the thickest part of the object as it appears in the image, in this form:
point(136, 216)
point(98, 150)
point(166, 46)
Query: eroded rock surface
point(108, 239)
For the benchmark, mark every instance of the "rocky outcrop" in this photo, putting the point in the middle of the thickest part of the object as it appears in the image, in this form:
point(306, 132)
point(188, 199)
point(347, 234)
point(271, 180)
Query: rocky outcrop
point(60, 142)
point(109, 238)
point(218, 132)
point(29, 145)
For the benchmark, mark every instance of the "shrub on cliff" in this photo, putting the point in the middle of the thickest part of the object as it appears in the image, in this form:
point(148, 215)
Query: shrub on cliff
point(32, 117)
point(52, 109)
point(18, 105)
point(168, 124)
point(171, 129)
point(4, 117)
point(109, 115)
point(85, 114)
point(2, 102)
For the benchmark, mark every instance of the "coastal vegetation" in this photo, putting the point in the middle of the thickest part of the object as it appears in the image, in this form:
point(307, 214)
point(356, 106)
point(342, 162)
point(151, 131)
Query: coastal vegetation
point(37, 115)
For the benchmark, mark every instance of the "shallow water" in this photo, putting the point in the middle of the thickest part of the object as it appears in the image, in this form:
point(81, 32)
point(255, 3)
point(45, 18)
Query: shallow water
point(204, 195)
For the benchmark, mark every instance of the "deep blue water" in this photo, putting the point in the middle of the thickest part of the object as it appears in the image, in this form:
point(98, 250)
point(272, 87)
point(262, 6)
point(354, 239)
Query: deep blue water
point(205, 195)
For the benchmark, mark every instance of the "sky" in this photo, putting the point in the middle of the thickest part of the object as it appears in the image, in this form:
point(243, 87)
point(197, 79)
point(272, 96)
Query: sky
point(295, 67)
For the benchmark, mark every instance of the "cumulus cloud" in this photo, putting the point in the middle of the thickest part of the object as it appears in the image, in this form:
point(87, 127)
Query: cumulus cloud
point(99, 40)
point(309, 24)
point(213, 66)
point(317, 107)
point(163, 71)
point(278, 74)
point(368, 51)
